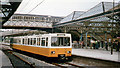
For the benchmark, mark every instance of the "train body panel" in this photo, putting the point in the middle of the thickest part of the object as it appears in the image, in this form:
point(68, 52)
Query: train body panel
point(44, 51)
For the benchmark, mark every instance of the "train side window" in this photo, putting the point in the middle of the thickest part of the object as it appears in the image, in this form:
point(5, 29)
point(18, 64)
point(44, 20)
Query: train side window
point(43, 42)
point(23, 41)
point(30, 41)
point(47, 41)
point(38, 41)
point(19, 40)
point(26, 42)
point(34, 41)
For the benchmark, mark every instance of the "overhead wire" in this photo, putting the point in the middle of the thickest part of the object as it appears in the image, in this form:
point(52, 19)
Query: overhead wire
point(37, 5)
point(25, 5)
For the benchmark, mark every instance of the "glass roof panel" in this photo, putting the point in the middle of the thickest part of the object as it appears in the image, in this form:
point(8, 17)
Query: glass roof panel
point(95, 10)
point(2, 15)
point(72, 16)
point(98, 9)
point(109, 5)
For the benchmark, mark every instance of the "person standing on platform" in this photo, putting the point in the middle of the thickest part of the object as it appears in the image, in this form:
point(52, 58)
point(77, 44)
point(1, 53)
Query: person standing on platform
point(102, 43)
point(96, 46)
point(110, 42)
point(114, 44)
point(106, 45)
point(111, 45)
point(111, 49)
point(81, 43)
point(118, 46)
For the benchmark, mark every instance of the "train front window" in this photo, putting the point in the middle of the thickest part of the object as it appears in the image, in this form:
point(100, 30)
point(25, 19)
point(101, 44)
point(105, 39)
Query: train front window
point(60, 41)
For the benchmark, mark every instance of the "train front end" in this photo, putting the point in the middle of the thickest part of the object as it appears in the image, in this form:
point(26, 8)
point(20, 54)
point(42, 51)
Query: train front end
point(61, 46)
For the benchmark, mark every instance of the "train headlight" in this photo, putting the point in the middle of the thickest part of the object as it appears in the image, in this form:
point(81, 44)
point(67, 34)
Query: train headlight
point(68, 51)
point(52, 52)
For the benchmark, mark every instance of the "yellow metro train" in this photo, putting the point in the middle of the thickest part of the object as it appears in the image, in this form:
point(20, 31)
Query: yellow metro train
point(49, 45)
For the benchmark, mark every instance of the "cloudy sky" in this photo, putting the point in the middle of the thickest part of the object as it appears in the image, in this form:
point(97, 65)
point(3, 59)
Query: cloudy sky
point(57, 7)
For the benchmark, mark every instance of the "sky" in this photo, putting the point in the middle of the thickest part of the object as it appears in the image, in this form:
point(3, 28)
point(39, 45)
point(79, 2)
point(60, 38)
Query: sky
point(57, 7)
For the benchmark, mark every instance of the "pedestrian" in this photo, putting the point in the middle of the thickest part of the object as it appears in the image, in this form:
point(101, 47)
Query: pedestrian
point(111, 49)
point(118, 45)
point(102, 44)
point(109, 42)
point(96, 47)
point(114, 44)
point(98, 44)
point(81, 43)
point(106, 45)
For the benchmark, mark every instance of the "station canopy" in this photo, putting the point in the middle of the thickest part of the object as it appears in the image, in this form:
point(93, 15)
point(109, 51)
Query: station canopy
point(7, 9)
point(98, 9)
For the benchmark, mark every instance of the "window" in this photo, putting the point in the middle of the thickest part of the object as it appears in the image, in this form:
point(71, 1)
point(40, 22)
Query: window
point(60, 41)
point(38, 41)
point(28, 41)
point(43, 42)
point(46, 41)
point(23, 41)
point(14, 40)
point(42, 19)
point(19, 41)
point(34, 41)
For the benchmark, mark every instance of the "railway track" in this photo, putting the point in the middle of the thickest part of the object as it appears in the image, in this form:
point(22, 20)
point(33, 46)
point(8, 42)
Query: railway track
point(64, 65)
point(17, 61)
point(30, 65)
point(74, 65)
point(68, 65)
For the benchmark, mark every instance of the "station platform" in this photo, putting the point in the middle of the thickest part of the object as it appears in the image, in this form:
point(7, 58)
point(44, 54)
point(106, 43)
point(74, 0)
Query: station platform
point(4, 60)
point(97, 54)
